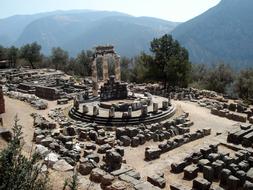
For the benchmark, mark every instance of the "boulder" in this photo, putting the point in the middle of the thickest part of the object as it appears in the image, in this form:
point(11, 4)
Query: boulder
point(94, 157)
point(85, 168)
point(41, 150)
point(118, 185)
point(145, 186)
point(5, 134)
point(201, 184)
point(107, 180)
point(157, 180)
point(103, 148)
point(113, 160)
point(191, 172)
point(233, 183)
point(152, 153)
point(46, 141)
point(208, 173)
point(125, 140)
point(51, 159)
point(248, 185)
point(97, 174)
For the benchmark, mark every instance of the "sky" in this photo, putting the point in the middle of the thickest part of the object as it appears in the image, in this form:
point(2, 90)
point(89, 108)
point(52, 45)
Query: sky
point(172, 10)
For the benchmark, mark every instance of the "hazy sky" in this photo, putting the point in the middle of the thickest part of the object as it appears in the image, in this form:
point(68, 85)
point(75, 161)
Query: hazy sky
point(174, 10)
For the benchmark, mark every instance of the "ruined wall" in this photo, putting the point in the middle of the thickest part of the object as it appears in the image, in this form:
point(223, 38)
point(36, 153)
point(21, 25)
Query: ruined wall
point(2, 105)
point(46, 93)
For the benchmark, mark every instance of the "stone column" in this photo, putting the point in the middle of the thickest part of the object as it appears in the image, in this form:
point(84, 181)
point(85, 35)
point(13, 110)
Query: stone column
point(112, 112)
point(85, 109)
point(117, 68)
point(95, 110)
point(105, 68)
point(94, 78)
point(155, 107)
point(130, 110)
point(144, 110)
point(165, 105)
point(76, 104)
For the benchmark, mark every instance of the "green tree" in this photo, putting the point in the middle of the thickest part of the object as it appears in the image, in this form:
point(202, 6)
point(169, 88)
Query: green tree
point(140, 70)
point(12, 54)
point(170, 63)
point(31, 53)
point(244, 84)
point(59, 58)
point(3, 53)
point(83, 63)
point(125, 68)
point(220, 77)
point(18, 172)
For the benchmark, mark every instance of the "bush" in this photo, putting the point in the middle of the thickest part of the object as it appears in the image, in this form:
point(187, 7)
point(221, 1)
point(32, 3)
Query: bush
point(18, 172)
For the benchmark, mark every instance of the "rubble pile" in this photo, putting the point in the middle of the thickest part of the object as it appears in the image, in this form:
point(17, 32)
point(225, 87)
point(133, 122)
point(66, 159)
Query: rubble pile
point(33, 100)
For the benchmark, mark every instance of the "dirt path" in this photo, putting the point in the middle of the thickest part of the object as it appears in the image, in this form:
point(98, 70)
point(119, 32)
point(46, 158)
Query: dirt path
point(23, 110)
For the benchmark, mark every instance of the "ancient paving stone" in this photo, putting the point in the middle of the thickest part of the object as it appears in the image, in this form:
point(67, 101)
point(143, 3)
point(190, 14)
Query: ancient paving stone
point(63, 166)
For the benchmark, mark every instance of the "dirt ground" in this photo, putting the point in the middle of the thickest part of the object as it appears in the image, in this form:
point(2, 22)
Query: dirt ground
point(134, 156)
point(202, 118)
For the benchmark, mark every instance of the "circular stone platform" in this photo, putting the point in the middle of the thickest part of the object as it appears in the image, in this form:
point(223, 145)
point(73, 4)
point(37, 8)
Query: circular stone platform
point(137, 118)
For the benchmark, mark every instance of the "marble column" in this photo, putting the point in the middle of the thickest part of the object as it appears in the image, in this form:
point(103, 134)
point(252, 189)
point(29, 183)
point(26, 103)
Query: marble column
point(165, 105)
point(112, 112)
point(130, 110)
point(85, 109)
point(95, 110)
point(94, 78)
point(144, 110)
point(117, 68)
point(155, 107)
point(105, 68)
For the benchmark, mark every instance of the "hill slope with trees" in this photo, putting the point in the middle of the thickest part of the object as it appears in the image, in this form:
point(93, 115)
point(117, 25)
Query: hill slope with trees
point(222, 34)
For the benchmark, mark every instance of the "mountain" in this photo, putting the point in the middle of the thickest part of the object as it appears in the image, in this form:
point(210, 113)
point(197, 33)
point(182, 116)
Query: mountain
point(223, 33)
point(77, 30)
